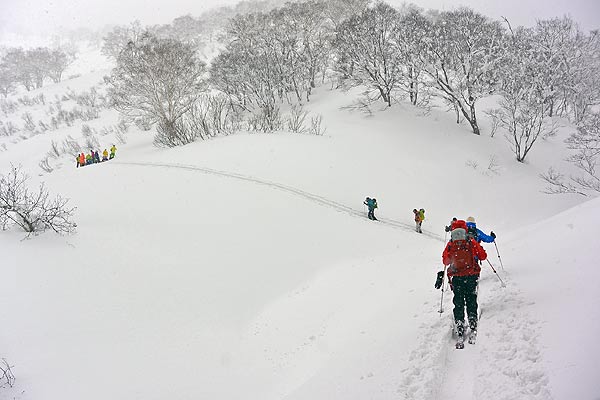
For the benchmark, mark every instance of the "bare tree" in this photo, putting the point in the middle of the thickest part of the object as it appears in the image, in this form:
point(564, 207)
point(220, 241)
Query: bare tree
point(116, 40)
point(463, 58)
point(523, 116)
point(158, 80)
point(409, 39)
point(586, 141)
point(7, 79)
point(365, 52)
point(33, 211)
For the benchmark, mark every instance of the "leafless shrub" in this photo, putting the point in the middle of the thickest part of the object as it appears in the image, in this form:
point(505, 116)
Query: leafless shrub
point(7, 378)
point(223, 116)
point(557, 183)
point(45, 164)
point(54, 151)
point(316, 126)
point(495, 118)
point(493, 166)
point(33, 211)
point(43, 126)
point(362, 105)
point(586, 142)
point(28, 120)
point(296, 119)
point(91, 142)
point(8, 106)
point(71, 146)
point(90, 114)
point(472, 163)
point(7, 129)
point(122, 126)
point(268, 119)
point(120, 136)
point(197, 119)
point(88, 99)
point(175, 134)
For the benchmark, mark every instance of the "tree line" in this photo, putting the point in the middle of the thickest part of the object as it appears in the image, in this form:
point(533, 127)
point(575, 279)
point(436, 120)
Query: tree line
point(30, 68)
point(407, 54)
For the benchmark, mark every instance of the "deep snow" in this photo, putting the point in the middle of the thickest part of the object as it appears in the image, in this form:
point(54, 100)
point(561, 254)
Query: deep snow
point(245, 267)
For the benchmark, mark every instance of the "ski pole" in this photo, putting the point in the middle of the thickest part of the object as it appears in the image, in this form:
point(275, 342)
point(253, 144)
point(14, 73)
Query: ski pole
point(442, 298)
point(497, 252)
point(501, 281)
point(443, 279)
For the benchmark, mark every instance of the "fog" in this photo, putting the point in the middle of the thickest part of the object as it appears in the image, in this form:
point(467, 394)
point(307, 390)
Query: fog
point(43, 18)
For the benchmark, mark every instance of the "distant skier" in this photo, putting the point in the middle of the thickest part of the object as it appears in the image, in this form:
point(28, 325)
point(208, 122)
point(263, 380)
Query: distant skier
point(113, 150)
point(419, 218)
point(477, 234)
point(372, 205)
point(461, 255)
point(105, 155)
point(96, 157)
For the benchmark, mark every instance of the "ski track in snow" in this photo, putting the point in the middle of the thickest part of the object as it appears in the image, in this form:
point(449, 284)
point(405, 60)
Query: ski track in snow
point(310, 196)
point(510, 370)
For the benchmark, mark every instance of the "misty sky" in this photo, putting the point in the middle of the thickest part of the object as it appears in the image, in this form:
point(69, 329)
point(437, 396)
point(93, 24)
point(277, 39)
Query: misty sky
point(35, 17)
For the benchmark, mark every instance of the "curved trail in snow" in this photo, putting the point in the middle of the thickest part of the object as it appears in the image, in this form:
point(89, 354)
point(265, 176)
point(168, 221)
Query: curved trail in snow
point(298, 192)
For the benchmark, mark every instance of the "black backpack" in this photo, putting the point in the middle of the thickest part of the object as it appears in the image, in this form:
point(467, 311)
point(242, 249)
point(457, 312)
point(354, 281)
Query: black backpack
point(472, 232)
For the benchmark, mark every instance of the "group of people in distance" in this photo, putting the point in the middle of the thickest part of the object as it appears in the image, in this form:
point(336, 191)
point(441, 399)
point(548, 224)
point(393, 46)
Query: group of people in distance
point(93, 157)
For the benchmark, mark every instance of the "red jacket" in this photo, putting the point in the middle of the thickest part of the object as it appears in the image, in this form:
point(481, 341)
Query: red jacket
point(472, 268)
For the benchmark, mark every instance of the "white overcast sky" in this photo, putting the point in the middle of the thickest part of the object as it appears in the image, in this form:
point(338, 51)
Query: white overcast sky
point(34, 17)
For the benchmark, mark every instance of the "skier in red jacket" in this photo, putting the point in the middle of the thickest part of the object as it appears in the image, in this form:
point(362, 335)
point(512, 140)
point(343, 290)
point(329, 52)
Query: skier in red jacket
point(462, 256)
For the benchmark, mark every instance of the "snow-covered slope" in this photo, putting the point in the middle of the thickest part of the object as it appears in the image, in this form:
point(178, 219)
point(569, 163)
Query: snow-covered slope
point(245, 267)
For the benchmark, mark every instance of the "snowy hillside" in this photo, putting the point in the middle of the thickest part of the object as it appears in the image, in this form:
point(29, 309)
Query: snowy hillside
point(245, 266)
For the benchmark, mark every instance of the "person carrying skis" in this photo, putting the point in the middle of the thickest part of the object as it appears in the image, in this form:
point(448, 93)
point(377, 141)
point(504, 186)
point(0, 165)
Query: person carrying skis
point(477, 234)
point(419, 217)
point(461, 255)
point(372, 205)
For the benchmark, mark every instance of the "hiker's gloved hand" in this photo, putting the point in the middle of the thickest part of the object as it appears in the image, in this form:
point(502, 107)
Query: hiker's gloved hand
point(492, 234)
point(439, 280)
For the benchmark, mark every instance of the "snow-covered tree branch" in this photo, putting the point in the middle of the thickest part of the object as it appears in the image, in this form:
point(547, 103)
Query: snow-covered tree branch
point(33, 211)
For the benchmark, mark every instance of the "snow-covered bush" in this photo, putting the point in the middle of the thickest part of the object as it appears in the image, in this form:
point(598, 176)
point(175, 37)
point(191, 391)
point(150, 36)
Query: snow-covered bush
point(32, 211)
